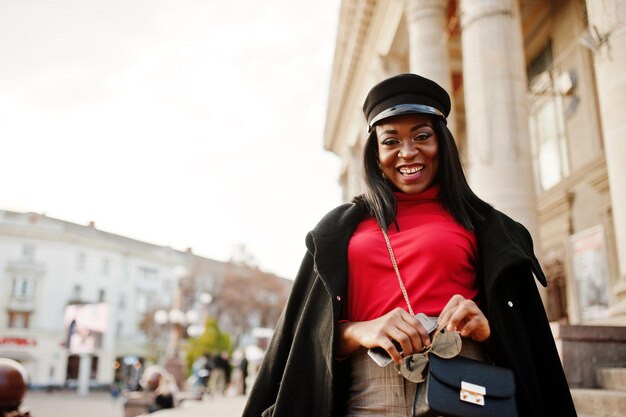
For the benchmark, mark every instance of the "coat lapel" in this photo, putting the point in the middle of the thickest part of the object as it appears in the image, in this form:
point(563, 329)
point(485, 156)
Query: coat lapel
point(507, 244)
point(328, 243)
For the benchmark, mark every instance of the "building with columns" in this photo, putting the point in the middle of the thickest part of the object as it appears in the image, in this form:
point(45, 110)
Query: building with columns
point(538, 91)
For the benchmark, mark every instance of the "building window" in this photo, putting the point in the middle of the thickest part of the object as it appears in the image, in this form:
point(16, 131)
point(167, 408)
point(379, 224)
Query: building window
point(122, 302)
point(101, 295)
point(106, 266)
point(547, 123)
point(548, 144)
point(28, 251)
point(77, 292)
point(147, 273)
point(81, 261)
point(23, 288)
point(142, 302)
point(19, 319)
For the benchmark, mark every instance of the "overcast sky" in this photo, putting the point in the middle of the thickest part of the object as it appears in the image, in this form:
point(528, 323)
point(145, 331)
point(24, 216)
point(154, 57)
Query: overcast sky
point(188, 123)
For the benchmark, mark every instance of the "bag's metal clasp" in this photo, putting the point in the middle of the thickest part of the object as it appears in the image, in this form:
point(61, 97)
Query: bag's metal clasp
point(472, 393)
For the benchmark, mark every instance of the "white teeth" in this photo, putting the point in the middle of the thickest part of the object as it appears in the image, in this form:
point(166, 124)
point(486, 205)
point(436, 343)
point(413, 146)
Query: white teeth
point(411, 170)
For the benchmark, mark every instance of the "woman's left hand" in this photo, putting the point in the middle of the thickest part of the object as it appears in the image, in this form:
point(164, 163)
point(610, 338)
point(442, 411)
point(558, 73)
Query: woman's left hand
point(464, 315)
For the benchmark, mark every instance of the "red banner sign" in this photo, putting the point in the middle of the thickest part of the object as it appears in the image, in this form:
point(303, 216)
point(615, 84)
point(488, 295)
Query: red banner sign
point(18, 341)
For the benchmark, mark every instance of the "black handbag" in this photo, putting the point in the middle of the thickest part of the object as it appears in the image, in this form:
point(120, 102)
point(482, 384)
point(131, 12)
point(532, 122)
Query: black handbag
point(463, 387)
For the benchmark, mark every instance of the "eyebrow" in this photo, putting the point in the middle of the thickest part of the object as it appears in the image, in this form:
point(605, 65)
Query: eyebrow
point(413, 129)
point(420, 125)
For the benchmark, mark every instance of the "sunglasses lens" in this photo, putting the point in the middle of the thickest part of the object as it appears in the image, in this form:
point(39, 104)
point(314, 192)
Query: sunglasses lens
point(447, 344)
point(412, 367)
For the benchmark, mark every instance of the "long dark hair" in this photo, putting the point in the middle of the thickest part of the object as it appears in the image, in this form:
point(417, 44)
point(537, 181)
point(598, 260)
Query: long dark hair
point(456, 195)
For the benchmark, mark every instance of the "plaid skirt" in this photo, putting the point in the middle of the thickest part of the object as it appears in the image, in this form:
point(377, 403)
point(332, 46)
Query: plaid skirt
point(381, 392)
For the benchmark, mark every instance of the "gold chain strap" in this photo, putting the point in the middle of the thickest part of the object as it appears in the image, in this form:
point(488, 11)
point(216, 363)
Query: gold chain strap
point(395, 267)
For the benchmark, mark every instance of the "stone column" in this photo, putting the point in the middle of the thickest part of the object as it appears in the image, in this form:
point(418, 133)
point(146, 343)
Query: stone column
point(428, 45)
point(607, 29)
point(496, 107)
point(84, 373)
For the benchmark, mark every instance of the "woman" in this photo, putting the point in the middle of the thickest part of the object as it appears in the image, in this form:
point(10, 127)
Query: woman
point(457, 259)
point(158, 382)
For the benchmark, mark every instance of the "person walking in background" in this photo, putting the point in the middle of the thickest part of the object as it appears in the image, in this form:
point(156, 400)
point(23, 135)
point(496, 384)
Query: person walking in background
point(200, 375)
point(206, 374)
point(243, 368)
point(220, 374)
point(418, 241)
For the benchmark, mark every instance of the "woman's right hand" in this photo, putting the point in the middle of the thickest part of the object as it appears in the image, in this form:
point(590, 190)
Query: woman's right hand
point(396, 325)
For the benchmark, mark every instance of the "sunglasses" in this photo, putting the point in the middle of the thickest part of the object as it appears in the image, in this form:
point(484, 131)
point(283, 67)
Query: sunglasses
point(445, 344)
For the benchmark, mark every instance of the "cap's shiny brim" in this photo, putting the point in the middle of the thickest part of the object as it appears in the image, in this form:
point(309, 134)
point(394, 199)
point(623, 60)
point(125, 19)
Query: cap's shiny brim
point(404, 109)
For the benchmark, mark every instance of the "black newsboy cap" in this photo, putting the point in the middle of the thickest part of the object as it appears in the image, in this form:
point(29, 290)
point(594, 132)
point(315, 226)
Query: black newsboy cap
point(405, 94)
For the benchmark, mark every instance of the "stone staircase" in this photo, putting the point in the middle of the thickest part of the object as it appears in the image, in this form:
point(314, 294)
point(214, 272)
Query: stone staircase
point(594, 362)
point(609, 400)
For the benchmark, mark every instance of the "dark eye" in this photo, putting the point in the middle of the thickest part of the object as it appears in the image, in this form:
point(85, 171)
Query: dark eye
point(390, 141)
point(420, 137)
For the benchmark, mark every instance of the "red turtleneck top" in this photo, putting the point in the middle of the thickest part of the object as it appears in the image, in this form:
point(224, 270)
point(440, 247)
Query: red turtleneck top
point(436, 257)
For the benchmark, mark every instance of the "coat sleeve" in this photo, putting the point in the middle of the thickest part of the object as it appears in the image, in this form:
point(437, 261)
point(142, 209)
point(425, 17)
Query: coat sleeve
point(268, 379)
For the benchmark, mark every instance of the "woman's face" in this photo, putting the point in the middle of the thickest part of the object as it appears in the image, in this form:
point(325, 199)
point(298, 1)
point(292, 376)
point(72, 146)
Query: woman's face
point(408, 152)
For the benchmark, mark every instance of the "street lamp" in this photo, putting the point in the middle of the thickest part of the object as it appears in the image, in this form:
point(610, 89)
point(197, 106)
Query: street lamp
point(205, 299)
point(181, 323)
point(176, 319)
point(197, 326)
point(195, 329)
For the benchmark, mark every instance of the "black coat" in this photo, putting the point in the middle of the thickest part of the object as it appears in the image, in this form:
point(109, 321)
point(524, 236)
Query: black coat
point(301, 377)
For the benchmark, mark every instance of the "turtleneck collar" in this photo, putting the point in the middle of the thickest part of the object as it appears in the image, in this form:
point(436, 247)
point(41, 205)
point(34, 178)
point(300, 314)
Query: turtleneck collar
point(431, 193)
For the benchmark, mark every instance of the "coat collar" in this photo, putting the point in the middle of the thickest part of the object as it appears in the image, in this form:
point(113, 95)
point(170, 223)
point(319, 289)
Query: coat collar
point(328, 243)
point(507, 243)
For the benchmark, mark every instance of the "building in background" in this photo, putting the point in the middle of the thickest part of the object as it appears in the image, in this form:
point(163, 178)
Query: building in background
point(77, 299)
point(538, 92)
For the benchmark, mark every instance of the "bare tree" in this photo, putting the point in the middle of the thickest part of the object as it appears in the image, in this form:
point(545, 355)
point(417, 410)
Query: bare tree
point(248, 297)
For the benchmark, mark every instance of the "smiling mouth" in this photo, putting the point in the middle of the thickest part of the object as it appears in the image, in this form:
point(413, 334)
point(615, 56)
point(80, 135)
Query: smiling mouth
point(411, 170)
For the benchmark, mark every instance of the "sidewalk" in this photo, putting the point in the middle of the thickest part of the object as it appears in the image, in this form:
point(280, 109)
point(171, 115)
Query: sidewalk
point(101, 404)
point(229, 406)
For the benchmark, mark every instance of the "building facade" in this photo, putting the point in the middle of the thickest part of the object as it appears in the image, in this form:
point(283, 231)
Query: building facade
point(77, 299)
point(538, 92)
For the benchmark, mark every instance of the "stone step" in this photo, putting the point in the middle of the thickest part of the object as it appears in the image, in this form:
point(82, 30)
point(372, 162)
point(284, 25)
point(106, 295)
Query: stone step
point(599, 402)
point(613, 379)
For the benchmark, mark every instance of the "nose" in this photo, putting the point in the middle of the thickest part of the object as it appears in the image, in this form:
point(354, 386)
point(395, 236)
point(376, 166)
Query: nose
point(408, 151)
